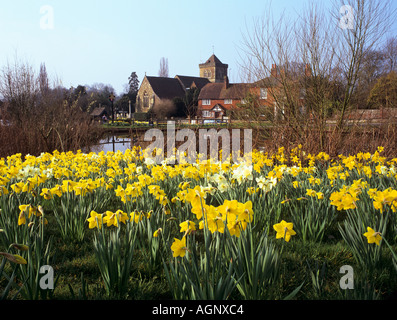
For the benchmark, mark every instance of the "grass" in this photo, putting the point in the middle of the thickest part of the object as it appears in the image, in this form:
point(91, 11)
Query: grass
point(79, 277)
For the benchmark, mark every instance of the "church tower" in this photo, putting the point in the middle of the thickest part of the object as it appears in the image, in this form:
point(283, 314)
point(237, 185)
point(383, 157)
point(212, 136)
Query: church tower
point(213, 69)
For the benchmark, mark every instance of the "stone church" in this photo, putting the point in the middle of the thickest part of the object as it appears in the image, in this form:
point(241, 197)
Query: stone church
point(213, 69)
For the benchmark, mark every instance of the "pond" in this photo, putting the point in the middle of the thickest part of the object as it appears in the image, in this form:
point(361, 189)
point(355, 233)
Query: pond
point(114, 143)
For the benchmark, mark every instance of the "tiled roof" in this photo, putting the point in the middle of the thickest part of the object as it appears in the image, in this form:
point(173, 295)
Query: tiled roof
point(213, 61)
point(268, 82)
point(188, 81)
point(219, 91)
point(97, 112)
point(166, 88)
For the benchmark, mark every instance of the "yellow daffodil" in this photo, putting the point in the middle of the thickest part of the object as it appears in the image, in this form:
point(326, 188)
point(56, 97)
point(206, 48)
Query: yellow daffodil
point(234, 225)
point(228, 207)
point(245, 212)
point(179, 247)
point(95, 220)
point(310, 193)
point(372, 236)
point(157, 232)
point(284, 230)
point(110, 218)
point(195, 196)
point(46, 193)
point(187, 226)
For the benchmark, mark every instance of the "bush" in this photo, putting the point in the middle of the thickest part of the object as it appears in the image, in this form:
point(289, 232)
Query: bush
point(37, 118)
point(141, 116)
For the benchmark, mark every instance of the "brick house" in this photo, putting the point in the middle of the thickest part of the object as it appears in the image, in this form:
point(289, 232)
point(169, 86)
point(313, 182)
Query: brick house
point(217, 98)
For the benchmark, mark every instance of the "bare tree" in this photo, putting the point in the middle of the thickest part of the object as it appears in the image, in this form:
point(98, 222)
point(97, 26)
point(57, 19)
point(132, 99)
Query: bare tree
point(41, 118)
point(390, 54)
point(294, 61)
point(43, 80)
point(20, 89)
point(371, 21)
point(163, 71)
point(313, 60)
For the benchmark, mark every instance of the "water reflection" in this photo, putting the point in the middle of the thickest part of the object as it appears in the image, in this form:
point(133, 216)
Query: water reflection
point(112, 143)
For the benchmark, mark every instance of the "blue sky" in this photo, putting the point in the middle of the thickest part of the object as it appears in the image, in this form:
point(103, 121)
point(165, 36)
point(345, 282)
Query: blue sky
point(98, 41)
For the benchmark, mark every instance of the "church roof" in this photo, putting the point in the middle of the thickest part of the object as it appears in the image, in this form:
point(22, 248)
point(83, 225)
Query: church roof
point(188, 81)
point(213, 61)
point(166, 88)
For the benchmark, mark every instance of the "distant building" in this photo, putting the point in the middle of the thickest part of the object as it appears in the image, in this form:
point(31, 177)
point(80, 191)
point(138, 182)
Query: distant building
point(213, 69)
point(157, 91)
point(215, 99)
point(217, 95)
point(188, 82)
point(99, 113)
point(154, 90)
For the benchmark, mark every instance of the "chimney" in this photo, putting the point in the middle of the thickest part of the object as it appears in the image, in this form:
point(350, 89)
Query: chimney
point(273, 71)
point(226, 81)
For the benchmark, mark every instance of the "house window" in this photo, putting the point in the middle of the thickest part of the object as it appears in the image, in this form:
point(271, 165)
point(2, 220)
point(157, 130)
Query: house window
point(206, 113)
point(263, 93)
point(228, 101)
point(243, 101)
point(206, 102)
point(146, 100)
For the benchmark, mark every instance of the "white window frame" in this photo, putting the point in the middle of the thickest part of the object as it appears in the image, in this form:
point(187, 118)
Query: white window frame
point(228, 101)
point(263, 93)
point(206, 114)
point(206, 102)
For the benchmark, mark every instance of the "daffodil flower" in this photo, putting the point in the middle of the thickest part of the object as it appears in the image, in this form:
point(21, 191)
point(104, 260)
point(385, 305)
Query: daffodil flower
point(95, 220)
point(179, 247)
point(284, 230)
point(373, 236)
point(187, 226)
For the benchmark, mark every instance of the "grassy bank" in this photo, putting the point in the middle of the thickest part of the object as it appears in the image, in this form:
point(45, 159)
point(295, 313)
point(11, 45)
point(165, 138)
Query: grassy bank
point(119, 226)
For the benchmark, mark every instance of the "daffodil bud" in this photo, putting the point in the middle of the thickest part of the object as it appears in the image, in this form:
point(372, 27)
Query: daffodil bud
point(157, 232)
point(14, 258)
point(20, 247)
